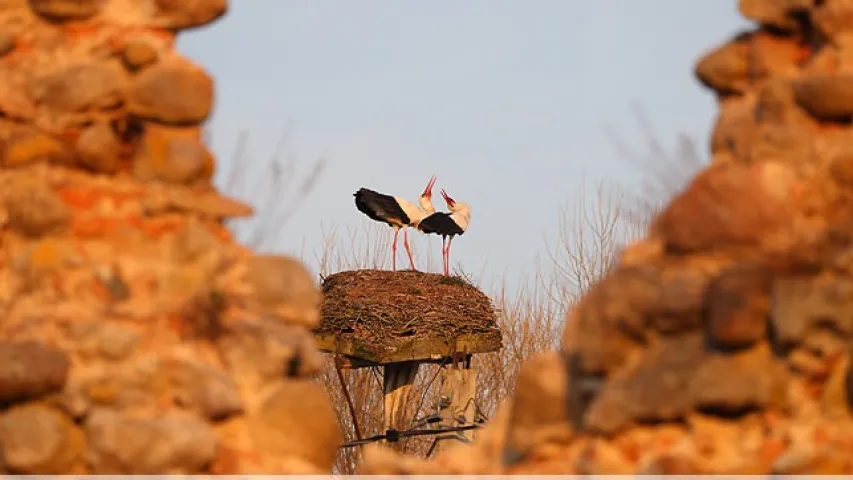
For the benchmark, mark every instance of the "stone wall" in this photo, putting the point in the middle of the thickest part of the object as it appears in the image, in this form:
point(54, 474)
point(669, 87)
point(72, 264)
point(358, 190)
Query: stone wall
point(136, 336)
point(721, 343)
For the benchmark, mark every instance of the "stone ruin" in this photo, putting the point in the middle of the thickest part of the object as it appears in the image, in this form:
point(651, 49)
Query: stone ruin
point(137, 337)
point(721, 343)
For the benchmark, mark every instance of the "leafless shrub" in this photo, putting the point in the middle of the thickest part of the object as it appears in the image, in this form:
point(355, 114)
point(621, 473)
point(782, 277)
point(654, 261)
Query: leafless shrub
point(592, 229)
point(665, 171)
point(270, 187)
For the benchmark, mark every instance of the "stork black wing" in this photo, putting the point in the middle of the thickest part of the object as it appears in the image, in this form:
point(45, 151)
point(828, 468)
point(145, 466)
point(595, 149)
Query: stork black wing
point(380, 207)
point(440, 223)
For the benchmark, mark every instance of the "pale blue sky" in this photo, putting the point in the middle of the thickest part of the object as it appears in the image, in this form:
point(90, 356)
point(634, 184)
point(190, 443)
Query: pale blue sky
point(505, 100)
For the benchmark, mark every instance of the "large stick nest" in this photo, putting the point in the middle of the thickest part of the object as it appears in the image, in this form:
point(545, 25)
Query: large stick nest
point(386, 314)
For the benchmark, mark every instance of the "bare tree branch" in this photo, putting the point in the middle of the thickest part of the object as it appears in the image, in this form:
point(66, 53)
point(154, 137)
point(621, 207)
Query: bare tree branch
point(270, 187)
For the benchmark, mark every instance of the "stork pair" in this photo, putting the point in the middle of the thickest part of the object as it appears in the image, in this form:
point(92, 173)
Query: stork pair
point(401, 214)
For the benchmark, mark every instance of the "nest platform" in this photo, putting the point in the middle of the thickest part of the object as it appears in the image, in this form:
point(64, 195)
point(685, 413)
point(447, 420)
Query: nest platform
point(379, 317)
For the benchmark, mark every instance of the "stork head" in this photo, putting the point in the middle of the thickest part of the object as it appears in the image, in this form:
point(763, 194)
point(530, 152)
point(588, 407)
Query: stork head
point(425, 200)
point(428, 190)
point(451, 204)
point(455, 206)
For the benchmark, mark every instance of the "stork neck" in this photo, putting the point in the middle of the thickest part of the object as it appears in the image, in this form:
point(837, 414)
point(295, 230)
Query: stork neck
point(426, 205)
point(462, 218)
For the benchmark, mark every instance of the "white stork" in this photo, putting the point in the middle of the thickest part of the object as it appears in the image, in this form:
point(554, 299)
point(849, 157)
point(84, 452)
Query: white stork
point(447, 224)
point(397, 212)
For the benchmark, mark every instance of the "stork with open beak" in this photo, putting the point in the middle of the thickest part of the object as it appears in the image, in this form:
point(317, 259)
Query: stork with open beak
point(397, 212)
point(448, 225)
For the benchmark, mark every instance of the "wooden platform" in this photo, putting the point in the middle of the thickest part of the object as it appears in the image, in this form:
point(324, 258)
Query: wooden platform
point(357, 353)
point(378, 317)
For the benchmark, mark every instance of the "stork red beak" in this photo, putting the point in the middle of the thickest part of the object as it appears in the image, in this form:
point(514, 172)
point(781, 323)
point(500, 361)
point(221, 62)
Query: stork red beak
point(428, 190)
point(450, 201)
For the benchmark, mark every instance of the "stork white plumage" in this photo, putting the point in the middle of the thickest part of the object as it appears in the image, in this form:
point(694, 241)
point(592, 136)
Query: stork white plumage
point(448, 225)
point(397, 212)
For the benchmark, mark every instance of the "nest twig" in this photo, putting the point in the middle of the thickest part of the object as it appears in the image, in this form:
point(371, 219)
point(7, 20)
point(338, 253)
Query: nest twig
point(382, 307)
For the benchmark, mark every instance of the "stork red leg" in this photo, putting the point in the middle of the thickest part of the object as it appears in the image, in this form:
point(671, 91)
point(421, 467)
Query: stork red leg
point(394, 249)
point(449, 242)
point(408, 249)
point(444, 253)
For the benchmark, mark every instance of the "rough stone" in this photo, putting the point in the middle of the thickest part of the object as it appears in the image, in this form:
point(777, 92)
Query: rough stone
point(799, 303)
point(28, 146)
point(539, 410)
point(826, 97)
point(778, 180)
point(709, 212)
point(721, 443)
point(597, 339)
point(184, 14)
point(264, 351)
point(172, 156)
point(783, 145)
point(109, 340)
point(602, 458)
point(98, 148)
point(737, 306)
point(139, 53)
point(382, 460)
point(7, 44)
point(128, 386)
point(29, 370)
point(653, 390)
point(833, 19)
point(734, 128)
point(808, 461)
point(284, 286)
point(776, 105)
point(204, 204)
point(847, 371)
point(205, 389)
point(297, 420)
point(781, 14)
point(621, 298)
point(176, 93)
point(112, 281)
point(671, 464)
point(665, 296)
point(726, 69)
point(121, 444)
point(80, 86)
point(751, 379)
point(807, 364)
point(38, 440)
point(825, 342)
point(776, 57)
point(66, 10)
point(841, 168)
point(15, 102)
point(45, 255)
point(837, 393)
point(34, 208)
point(194, 241)
point(678, 305)
point(638, 253)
